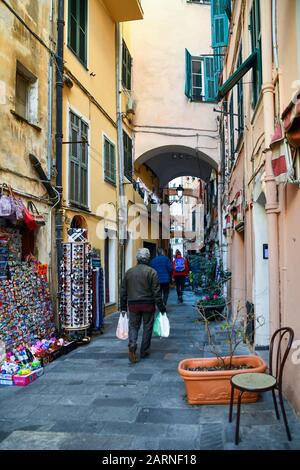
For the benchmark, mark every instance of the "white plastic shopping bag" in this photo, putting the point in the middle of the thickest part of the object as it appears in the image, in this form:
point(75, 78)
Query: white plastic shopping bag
point(161, 326)
point(122, 328)
point(165, 326)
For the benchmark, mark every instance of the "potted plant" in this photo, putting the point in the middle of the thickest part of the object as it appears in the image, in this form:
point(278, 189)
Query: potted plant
point(211, 306)
point(207, 380)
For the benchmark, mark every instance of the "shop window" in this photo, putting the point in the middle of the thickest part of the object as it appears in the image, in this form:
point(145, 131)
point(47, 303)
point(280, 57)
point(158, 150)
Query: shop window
point(255, 31)
point(126, 67)
point(109, 162)
point(78, 158)
point(26, 95)
point(77, 28)
point(127, 156)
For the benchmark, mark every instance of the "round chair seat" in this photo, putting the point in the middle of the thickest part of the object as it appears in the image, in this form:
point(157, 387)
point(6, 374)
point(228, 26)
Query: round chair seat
point(253, 381)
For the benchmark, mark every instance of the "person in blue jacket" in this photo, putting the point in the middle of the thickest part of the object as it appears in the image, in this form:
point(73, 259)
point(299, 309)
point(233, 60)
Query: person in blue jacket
point(163, 267)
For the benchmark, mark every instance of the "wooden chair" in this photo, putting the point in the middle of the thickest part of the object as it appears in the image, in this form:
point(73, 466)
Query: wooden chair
point(262, 382)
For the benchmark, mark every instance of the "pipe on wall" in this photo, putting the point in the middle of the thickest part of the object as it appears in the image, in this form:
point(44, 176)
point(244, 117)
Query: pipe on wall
point(274, 33)
point(122, 216)
point(271, 188)
point(59, 128)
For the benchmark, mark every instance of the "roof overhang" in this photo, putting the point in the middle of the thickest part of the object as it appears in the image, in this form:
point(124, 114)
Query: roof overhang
point(125, 10)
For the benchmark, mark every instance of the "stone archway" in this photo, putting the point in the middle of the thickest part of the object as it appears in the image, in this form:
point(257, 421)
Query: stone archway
point(171, 161)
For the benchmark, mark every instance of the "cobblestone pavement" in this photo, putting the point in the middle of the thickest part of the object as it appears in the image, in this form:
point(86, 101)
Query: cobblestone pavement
point(93, 398)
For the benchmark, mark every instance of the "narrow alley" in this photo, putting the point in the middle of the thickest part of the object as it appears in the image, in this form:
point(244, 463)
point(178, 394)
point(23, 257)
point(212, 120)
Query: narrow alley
point(95, 399)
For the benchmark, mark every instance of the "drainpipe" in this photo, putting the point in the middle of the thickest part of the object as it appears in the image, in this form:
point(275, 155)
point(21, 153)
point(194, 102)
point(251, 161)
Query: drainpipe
point(122, 216)
point(272, 208)
point(59, 129)
point(274, 33)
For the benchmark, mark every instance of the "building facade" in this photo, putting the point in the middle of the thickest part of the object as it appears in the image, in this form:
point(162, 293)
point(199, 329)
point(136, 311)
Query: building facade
point(259, 101)
point(28, 31)
point(176, 131)
point(98, 140)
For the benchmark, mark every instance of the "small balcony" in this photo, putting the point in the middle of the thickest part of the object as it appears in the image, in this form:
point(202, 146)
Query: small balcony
point(125, 10)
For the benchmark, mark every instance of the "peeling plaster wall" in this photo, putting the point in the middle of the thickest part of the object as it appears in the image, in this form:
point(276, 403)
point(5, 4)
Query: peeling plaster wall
point(19, 138)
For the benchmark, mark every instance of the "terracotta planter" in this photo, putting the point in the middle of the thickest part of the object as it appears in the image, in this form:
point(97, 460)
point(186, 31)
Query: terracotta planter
point(213, 388)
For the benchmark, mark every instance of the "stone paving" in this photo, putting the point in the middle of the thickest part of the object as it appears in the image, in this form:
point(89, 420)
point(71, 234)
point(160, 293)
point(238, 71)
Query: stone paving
point(93, 398)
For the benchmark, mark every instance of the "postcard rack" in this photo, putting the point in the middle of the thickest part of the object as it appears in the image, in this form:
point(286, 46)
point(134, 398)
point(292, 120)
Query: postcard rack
point(76, 296)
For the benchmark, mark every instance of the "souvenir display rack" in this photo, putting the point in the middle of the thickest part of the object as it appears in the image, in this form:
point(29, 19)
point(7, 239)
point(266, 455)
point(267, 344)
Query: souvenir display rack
point(25, 306)
point(76, 299)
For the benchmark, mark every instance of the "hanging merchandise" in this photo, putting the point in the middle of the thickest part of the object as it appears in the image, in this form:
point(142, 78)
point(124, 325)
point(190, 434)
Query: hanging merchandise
point(11, 207)
point(37, 217)
point(76, 300)
point(25, 306)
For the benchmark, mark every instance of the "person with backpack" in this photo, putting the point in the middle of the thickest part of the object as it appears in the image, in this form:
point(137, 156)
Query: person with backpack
point(180, 271)
point(163, 267)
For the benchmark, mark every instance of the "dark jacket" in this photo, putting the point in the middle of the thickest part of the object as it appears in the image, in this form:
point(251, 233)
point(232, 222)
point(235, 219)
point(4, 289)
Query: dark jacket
point(141, 286)
point(163, 267)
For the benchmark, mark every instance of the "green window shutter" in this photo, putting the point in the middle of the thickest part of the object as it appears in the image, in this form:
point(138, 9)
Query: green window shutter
point(126, 67)
point(209, 78)
point(227, 8)
point(240, 89)
point(127, 156)
point(255, 31)
point(77, 28)
point(232, 131)
point(109, 162)
point(219, 24)
point(188, 74)
point(78, 162)
point(218, 67)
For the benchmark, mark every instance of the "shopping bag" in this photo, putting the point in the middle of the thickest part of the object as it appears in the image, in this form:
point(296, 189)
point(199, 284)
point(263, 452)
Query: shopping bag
point(29, 220)
point(38, 218)
point(6, 208)
point(161, 325)
point(157, 325)
point(165, 326)
point(122, 327)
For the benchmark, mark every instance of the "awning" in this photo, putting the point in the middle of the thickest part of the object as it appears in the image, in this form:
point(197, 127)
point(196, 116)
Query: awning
point(291, 121)
point(282, 163)
point(237, 75)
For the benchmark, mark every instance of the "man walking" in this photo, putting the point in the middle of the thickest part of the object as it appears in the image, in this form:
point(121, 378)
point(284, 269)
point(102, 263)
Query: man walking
point(163, 267)
point(180, 271)
point(140, 293)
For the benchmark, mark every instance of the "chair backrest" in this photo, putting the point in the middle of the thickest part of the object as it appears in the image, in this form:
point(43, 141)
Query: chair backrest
point(280, 351)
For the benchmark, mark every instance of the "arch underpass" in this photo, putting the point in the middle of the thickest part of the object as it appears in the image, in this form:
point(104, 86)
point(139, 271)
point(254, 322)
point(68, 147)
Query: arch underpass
point(172, 161)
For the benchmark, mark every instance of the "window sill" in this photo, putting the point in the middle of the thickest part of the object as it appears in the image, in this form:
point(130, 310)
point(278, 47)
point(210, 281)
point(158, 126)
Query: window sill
point(21, 118)
point(78, 207)
point(112, 183)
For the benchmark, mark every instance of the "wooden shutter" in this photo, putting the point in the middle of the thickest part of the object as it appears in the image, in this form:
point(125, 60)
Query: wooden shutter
point(78, 158)
point(74, 159)
point(77, 28)
point(188, 74)
point(109, 162)
point(209, 78)
point(219, 24)
point(127, 156)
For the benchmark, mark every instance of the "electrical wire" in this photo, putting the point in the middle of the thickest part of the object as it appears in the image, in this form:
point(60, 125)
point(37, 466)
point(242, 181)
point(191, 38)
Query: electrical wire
point(177, 128)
